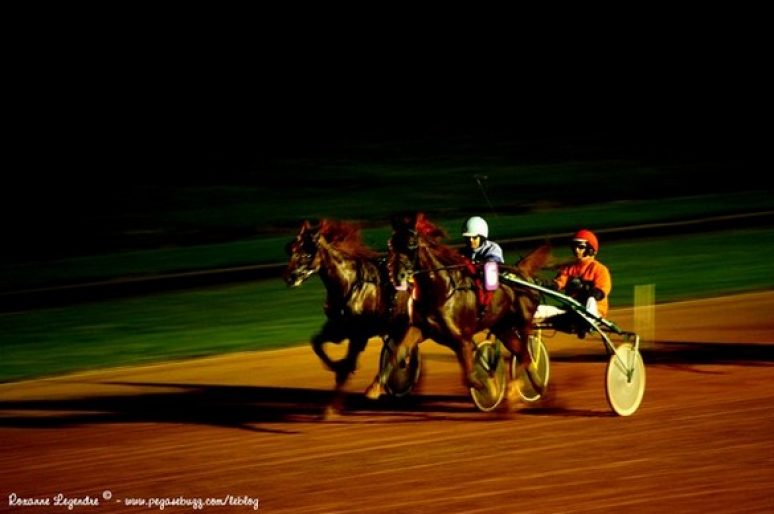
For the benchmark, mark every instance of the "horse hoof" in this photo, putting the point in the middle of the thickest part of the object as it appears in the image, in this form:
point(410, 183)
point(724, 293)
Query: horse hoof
point(331, 412)
point(533, 375)
point(513, 392)
point(374, 391)
point(474, 382)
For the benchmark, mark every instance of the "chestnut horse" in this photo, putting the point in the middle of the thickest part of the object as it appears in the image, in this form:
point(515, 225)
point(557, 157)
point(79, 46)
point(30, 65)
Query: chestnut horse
point(361, 302)
point(447, 296)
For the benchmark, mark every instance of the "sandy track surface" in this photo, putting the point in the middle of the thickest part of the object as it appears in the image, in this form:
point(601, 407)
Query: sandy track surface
point(248, 425)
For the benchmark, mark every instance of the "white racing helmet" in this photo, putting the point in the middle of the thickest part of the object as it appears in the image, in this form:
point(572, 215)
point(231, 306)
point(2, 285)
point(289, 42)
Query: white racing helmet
point(475, 226)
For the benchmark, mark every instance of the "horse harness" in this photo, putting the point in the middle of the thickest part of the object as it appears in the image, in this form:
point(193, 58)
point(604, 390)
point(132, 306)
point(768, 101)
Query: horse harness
point(483, 297)
point(340, 307)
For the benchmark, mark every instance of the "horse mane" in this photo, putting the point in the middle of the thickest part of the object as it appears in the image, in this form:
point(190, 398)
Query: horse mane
point(428, 230)
point(433, 236)
point(345, 237)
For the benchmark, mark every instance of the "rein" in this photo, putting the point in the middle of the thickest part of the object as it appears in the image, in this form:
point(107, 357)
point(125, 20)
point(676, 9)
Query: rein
point(444, 268)
point(454, 287)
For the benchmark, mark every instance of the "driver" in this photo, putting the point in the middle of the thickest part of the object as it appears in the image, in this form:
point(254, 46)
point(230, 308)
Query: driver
point(586, 279)
point(478, 247)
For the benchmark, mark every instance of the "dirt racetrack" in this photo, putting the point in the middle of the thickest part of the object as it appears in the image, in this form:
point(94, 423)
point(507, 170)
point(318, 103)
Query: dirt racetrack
point(247, 425)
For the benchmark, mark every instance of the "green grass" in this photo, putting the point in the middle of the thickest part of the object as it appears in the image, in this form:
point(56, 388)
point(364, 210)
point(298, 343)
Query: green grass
point(539, 222)
point(263, 314)
point(266, 314)
point(239, 216)
point(154, 228)
point(692, 265)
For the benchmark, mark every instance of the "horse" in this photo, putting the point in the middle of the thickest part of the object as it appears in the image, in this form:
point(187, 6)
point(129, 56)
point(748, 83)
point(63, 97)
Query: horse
point(447, 295)
point(361, 302)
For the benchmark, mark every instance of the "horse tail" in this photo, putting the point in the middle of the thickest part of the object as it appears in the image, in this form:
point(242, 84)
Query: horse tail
point(534, 261)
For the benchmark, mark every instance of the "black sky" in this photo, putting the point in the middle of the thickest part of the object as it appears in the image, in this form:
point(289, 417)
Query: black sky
point(94, 109)
point(174, 101)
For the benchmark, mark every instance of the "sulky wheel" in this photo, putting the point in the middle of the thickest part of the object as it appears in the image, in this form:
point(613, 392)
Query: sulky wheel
point(625, 382)
point(490, 370)
point(403, 376)
point(539, 354)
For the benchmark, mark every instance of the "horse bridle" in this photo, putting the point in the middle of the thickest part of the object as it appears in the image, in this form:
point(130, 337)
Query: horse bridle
point(412, 244)
point(306, 250)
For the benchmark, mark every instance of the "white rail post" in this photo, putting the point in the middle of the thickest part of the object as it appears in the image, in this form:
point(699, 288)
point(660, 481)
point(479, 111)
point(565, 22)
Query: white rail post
point(645, 314)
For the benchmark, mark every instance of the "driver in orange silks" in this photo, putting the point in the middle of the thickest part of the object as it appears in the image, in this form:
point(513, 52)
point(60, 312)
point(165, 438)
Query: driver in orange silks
point(586, 280)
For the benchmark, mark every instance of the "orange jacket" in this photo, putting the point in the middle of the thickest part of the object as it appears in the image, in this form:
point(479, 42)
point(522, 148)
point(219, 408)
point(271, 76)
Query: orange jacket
point(591, 271)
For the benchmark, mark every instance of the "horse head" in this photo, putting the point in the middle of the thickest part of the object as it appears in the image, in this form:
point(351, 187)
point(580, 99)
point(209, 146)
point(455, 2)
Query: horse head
point(402, 249)
point(411, 232)
point(304, 256)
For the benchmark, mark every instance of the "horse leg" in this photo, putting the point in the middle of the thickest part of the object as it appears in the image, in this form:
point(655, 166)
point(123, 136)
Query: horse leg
point(411, 338)
point(330, 333)
point(465, 347)
point(516, 342)
point(333, 333)
point(343, 369)
point(317, 346)
point(347, 366)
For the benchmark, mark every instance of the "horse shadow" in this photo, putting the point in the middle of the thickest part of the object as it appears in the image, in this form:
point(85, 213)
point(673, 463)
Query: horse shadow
point(253, 408)
point(257, 408)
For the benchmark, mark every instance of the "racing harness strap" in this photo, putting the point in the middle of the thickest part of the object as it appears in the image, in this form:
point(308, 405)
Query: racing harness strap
point(483, 296)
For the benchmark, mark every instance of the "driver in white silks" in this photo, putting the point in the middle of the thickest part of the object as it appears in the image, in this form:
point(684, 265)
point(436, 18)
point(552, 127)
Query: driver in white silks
point(480, 250)
point(586, 279)
point(478, 247)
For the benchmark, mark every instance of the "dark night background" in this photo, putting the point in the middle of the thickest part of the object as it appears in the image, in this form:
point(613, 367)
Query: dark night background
point(92, 119)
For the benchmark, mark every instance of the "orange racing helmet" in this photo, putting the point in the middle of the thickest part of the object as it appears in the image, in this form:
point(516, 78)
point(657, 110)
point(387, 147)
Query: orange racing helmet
point(586, 236)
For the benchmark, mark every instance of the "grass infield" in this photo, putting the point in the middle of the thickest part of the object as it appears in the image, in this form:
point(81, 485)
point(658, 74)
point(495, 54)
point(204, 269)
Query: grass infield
point(266, 314)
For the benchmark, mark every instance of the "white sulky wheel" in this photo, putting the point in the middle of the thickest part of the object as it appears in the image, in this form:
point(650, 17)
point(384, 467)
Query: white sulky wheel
point(539, 354)
point(405, 374)
point(625, 382)
point(489, 366)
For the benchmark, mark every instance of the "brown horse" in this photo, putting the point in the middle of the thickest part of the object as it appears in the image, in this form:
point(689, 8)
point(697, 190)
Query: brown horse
point(447, 297)
point(361, 302)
